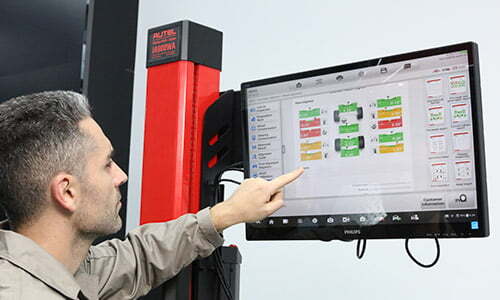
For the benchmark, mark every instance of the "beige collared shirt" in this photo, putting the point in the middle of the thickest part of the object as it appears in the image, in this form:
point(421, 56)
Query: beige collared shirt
point(150, 255)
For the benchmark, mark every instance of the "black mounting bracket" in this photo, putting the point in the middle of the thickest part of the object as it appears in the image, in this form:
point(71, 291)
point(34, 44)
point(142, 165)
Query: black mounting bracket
point(222, 148)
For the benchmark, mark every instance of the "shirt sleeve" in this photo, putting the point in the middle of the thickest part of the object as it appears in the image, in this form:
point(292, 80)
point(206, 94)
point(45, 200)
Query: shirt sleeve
point(150, 255)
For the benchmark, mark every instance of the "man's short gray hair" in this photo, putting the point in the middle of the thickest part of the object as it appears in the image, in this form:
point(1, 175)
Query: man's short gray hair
point(39, 137)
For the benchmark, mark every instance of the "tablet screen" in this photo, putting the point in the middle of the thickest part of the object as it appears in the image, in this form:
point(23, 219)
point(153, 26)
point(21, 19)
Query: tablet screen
point(385, 142)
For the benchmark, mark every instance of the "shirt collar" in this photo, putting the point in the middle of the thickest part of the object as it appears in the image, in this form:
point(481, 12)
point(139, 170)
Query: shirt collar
point(29, 256)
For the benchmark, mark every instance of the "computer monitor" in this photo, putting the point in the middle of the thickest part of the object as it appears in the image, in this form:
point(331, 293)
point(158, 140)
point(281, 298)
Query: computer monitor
point(392, 148)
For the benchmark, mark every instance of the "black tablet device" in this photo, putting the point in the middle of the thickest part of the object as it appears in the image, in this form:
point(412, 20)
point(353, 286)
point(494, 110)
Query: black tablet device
point(392, 148)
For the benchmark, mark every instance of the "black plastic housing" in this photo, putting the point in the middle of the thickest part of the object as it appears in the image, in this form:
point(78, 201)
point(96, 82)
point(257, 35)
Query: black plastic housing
point(184, 40)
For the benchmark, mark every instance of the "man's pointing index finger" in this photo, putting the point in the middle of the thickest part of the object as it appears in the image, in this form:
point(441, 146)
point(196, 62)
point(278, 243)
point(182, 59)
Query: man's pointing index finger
point(280, 181)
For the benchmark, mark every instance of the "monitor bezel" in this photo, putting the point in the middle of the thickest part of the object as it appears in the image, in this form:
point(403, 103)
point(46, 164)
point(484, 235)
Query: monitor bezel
point(381, 231)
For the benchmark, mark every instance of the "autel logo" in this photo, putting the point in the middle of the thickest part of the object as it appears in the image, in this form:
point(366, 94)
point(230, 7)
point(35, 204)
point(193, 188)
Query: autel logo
point(164, 34)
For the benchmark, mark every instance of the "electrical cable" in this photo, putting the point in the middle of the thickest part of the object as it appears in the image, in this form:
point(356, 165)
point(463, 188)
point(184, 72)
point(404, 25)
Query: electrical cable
point(360, 248)
point(229, 180)
point(219, 266)
point(438, 253)
point(238, 164)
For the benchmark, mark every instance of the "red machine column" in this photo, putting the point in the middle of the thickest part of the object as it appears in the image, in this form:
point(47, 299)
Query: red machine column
point(184, 63)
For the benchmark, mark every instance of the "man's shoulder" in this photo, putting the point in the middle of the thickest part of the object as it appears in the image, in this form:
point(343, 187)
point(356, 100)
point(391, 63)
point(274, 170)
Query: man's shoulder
point(11, 278)
point(16, 283)
point(7, 269)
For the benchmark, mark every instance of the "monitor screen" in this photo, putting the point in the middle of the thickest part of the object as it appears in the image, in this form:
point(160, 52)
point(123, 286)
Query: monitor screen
point(392, 148)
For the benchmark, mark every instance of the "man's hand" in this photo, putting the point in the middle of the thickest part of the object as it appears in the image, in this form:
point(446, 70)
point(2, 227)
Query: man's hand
point(254, 200)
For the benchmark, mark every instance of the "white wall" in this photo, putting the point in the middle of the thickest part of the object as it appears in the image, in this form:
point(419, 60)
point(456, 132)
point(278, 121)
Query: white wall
point(267, 38)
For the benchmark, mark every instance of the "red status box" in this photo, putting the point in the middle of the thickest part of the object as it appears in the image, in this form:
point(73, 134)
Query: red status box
point(310, 123)
point(394, 123)
point(310, 133)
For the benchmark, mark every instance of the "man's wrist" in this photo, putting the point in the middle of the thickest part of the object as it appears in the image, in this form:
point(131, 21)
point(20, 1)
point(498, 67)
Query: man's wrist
point(223, 216)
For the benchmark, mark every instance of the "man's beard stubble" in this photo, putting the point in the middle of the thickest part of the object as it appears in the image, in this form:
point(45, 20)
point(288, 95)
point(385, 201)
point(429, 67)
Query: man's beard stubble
point(95, 224)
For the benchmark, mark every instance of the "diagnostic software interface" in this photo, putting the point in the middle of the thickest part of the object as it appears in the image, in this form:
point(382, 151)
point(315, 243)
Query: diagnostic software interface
point(388, 142)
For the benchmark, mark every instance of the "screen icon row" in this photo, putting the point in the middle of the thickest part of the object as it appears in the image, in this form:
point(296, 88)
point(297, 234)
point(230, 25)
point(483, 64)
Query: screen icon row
point(367, 219)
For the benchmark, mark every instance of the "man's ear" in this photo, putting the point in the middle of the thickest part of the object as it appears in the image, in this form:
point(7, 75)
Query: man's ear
point(64, 190)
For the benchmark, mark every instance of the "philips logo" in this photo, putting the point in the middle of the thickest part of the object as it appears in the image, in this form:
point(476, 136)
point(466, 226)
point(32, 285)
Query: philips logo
point(352, 231)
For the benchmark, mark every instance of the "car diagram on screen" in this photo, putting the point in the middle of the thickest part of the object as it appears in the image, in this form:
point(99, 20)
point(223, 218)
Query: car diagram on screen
point(347, 117)
point(358, 139)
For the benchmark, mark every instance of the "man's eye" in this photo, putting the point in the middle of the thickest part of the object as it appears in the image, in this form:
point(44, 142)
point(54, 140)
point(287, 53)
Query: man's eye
point(109, 164)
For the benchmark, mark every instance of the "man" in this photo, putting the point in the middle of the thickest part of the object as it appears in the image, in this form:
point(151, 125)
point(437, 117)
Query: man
point(59, 188)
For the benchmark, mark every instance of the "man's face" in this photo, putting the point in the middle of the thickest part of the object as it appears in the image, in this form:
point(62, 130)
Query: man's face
point(100, 203)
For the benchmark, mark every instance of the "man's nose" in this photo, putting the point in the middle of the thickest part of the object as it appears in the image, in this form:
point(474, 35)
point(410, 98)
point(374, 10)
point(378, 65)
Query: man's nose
point(122, 176)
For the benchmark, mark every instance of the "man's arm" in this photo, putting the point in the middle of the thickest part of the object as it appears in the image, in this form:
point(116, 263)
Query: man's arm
point(254, 200)
point(154, 253)
point(150, 255)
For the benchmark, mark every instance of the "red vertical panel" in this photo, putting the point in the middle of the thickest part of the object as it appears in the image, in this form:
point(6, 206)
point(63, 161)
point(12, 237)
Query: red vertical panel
point(165, 180)
point(206, 91)
point(177, 97)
